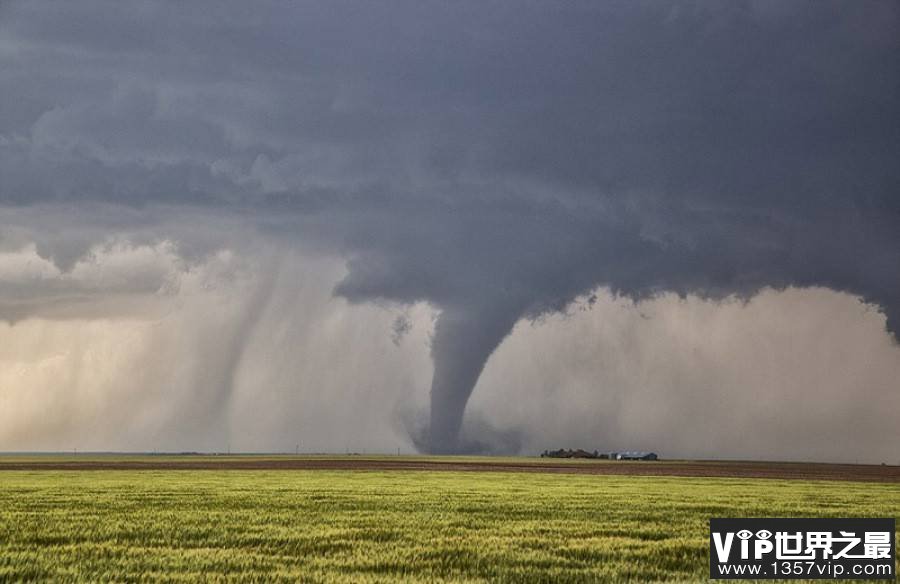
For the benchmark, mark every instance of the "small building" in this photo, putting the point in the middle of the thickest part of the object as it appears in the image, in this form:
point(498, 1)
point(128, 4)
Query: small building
point(634, 455)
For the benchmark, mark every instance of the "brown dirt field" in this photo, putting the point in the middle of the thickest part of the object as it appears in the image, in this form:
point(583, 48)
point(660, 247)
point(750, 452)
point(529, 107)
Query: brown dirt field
point(730, 469)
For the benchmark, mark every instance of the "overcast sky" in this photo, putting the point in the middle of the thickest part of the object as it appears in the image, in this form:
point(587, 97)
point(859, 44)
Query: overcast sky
point(466, 226)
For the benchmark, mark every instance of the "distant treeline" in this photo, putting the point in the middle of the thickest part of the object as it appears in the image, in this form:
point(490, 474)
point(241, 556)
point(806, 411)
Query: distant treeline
point(579, 453)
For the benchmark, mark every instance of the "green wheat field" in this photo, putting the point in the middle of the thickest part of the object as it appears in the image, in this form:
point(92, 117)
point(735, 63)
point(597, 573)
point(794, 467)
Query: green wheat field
point(397, 526)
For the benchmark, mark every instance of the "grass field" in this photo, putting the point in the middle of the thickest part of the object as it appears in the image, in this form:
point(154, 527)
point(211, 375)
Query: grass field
point(415, 526)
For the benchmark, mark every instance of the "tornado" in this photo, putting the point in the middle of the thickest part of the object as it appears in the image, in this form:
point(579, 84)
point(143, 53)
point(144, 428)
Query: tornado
point(464, 339)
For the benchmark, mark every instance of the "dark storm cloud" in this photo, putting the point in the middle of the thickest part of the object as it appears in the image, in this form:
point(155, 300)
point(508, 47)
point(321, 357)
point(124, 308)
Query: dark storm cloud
point(494, 159)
